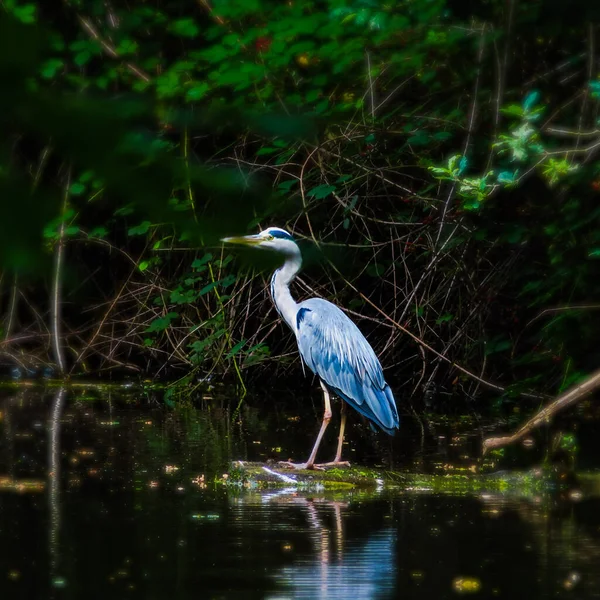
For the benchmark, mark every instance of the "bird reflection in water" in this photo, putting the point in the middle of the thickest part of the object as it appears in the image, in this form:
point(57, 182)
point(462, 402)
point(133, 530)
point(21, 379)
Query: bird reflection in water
point(337, 567)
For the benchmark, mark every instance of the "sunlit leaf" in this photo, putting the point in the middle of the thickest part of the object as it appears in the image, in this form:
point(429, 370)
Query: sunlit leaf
point(530, 100)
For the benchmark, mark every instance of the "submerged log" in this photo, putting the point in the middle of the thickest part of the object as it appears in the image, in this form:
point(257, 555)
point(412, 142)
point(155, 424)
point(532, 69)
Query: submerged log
point(532, 483)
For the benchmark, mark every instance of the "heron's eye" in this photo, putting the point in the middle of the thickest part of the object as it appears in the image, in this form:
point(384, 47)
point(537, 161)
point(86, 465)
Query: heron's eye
point(270, 237)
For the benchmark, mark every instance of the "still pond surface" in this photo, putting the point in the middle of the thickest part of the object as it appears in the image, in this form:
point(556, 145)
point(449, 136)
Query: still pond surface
point(105, 498)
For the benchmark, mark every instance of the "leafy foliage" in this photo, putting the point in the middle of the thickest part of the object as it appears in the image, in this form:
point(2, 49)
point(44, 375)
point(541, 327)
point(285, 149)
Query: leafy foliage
point(427, 150)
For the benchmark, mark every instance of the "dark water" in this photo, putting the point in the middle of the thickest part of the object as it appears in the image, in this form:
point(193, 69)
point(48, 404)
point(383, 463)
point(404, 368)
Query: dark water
point(107, 499)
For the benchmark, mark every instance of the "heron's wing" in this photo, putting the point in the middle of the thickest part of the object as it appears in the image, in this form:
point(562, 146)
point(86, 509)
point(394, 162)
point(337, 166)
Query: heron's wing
point(333, 347)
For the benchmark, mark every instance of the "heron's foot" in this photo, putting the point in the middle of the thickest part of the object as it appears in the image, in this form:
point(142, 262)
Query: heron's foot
point(300, 466)
point(334, 463)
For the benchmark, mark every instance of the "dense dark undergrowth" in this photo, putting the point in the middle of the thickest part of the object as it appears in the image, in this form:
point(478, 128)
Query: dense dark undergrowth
point(435, 160)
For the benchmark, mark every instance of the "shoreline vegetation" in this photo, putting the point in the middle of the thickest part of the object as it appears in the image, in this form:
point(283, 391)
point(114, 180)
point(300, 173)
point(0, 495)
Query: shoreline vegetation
point(437, 164)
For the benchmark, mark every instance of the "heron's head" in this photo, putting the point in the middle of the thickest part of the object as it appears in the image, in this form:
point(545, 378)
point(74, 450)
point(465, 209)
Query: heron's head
point(272, 238)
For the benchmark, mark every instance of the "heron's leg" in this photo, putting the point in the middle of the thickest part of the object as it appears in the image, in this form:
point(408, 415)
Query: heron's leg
point(310, 464)
point(337, 461)
point(338, 454)
point(326, 418)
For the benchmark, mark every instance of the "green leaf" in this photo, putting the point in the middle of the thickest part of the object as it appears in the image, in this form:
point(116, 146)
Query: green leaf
point(208, 288)
point(199, 346)
point(442, 136)
point(127, 47)
point(25, 13)
point(197, 92)
point(227, 281)
point(81, 58)
point(444, 319)
point(51, 67)
point(124, 211)
point(322, 106)
point(199, 262)
point(421, 138)
point(141, 229)
point(286, 185)
point(514, 110)
point(313, 95)
point(167, 84)
point(181, 296)
point(143, 265)
point(161, 323)
point(266, 150)
point(572, 379)
point(256, 354)
point(51, 229)
point(77, 189)
point(236, 349)
point(99, 232)
point(530, 100)
point(321, 191)
point(184, 28)
point(506, 177)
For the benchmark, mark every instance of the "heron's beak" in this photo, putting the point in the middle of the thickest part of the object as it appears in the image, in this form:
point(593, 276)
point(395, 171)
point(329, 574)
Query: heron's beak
point(245, 240)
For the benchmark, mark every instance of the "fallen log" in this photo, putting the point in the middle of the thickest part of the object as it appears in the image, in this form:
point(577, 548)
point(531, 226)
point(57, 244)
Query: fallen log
point(569, 398)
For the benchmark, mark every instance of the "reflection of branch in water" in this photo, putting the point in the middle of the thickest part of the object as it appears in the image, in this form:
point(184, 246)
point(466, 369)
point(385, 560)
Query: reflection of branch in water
point(9, 436)
point(361, 571)
point(54, 481)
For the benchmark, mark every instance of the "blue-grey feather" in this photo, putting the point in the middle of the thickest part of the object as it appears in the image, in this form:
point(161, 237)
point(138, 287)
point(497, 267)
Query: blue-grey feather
point(300, 316)
point(280, 234)
point(333, 348)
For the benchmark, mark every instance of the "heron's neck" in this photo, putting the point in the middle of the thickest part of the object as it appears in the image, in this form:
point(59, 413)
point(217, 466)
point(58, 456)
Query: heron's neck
point(280, 289)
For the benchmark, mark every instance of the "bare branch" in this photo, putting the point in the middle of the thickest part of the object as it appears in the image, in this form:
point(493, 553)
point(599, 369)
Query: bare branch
point(111, 50)
point(570, 397)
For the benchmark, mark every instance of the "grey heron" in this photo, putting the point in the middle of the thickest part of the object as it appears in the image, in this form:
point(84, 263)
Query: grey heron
point(330, 344)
